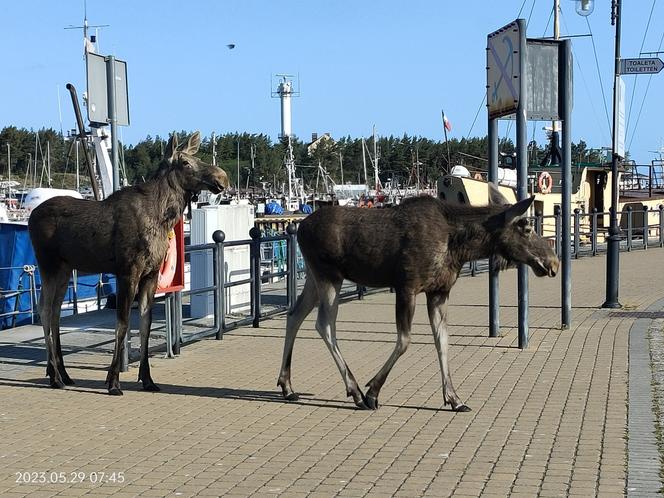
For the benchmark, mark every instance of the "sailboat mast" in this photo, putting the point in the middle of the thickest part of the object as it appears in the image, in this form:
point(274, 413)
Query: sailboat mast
point(375, 147)
point(364, 162)
point(9, 170)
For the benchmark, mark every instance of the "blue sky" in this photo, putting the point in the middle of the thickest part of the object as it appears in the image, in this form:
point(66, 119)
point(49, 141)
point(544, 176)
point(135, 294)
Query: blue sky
point(394, 64)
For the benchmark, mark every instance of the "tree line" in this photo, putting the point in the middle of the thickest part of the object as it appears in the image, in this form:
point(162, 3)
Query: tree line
point(260, 160)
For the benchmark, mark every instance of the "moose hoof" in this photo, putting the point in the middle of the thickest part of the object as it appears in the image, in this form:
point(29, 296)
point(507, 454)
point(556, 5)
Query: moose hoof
point(115, 391)
point(56, 384)
point(291, 396)
point(371, 402)
point(462, 408)
point(68, 381)
point(360, 400)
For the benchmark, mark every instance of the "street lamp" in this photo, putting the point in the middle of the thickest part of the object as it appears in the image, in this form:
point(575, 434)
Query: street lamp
point(584, 7)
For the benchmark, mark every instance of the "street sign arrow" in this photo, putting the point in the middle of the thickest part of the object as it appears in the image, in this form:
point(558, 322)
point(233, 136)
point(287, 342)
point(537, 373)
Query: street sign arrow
point(649, 65)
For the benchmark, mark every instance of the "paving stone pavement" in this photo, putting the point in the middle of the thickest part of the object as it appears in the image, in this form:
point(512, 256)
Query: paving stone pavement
point(551, 420)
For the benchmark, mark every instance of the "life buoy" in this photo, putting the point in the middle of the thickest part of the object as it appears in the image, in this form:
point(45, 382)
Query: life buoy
point(545, 182)
point(477, 176)
point(167, 270)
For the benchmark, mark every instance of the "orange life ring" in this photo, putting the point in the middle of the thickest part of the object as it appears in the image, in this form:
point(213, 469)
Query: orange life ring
point(545, 182)
point(477, 176)
point(167, 270)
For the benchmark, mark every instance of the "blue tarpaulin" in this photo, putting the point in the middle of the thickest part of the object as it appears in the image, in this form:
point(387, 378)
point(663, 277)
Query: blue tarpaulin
point(15, 253)
point(273, 208)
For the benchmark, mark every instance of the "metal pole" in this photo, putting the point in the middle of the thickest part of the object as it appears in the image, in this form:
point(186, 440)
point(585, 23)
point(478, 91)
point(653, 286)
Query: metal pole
point(494, 294)
point(661, 225)
point(577, 229)
point(255, 235)
point(291, 230)
point(9, 172)
point(613, 244)
point(82, 137)
point(522, 179)
point(176, 303)
point(112, 119)
point(220, 280)
point(565, 89)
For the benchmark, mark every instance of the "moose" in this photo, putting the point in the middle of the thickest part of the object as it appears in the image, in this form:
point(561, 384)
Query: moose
point(417, 246)
point(125, 234)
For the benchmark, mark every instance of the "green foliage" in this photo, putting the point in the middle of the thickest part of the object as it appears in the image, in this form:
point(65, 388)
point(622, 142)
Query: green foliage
point(397, 156)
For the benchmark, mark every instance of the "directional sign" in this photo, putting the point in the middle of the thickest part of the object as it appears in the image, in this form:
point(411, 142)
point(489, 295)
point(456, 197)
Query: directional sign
point(650, 65)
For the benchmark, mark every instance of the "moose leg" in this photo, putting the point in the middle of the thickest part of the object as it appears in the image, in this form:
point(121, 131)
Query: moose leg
point(126, 293)
point(49, 311)
point(437, 307)
point(59, 297)
point(146, 291)
point(405, 308)
point(326, 324)
point(303, 306)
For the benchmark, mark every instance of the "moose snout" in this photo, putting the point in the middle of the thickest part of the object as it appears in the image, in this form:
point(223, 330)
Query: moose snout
point(220, 181)
point(552, 264)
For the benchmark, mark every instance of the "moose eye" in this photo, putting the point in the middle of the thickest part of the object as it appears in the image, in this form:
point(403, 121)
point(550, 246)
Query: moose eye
point(526, 225)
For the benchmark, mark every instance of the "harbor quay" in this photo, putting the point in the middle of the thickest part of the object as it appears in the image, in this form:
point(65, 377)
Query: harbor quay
point(571, 415)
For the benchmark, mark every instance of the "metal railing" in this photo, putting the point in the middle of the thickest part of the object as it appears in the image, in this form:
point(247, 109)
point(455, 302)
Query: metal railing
point(274, 260)
point(12, 297)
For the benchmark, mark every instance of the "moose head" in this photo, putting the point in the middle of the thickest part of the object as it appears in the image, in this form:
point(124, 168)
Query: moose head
point(514, 238)
point(195, 175)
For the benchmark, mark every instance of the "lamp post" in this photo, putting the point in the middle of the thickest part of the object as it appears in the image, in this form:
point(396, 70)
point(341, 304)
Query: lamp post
point(585, 8)
point(613, 240)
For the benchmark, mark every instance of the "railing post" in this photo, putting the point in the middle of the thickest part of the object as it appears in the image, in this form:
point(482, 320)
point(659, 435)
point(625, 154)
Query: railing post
point(630, 227)
point(169, 326)
point(538, 223)
point(646, 227)
point(661, 225)
point(255, 235)
point(473, 268)
point(593, 228)
point(177, 321)
point(74, 290)
point(219, 283)
point(291, 287)
point(558, 236)
point(577, 229)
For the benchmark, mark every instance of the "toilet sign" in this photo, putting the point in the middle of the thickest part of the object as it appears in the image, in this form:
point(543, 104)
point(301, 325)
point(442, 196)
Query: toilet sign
point(645, 65)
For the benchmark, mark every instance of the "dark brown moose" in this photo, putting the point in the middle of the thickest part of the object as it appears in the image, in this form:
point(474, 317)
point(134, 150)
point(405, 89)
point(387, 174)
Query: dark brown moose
point(125, 234)
point(418, 246)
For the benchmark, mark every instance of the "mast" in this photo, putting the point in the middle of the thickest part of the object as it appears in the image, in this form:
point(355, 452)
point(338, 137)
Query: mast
point(364, 162)
point(9, 171)
point(375, 158)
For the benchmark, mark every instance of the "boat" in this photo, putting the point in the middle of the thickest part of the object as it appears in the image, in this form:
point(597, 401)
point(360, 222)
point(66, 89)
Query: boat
point(591, 192)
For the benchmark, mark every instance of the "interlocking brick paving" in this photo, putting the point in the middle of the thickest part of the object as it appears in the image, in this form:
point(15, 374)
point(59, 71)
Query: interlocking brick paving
point(550, 420)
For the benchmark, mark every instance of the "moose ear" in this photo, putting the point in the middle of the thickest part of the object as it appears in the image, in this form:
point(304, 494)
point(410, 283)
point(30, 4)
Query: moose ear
point(171, 147)
point(505, 217)
point(193, 144)
point(518, 209)
point(495, 197)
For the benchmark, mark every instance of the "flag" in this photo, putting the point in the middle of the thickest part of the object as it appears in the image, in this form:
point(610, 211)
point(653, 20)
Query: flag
point(446, 122)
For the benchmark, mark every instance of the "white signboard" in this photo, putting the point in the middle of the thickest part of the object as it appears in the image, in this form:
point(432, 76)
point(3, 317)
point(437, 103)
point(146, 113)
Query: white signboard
point(503, 70)
point(619, 119)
